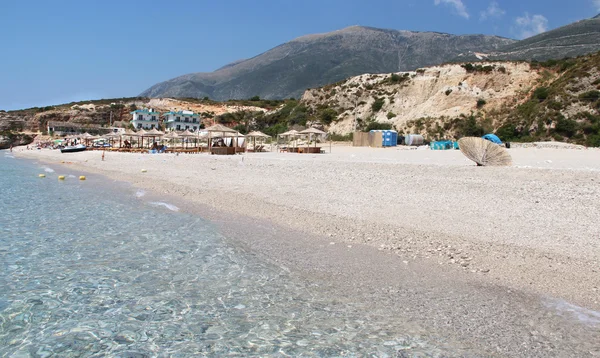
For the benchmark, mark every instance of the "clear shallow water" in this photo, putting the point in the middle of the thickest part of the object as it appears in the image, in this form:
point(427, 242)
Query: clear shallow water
point(90, 268)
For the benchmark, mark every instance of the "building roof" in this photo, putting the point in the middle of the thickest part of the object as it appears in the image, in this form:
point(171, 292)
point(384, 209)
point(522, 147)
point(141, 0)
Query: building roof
point(181, 113)
point(144, 111)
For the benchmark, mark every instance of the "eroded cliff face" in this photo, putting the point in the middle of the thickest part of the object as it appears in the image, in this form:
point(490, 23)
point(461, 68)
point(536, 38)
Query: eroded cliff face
point(440, 92)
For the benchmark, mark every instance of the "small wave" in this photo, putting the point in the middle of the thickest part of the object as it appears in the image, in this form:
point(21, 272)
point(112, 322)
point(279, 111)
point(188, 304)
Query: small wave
point(72, 176)
point(140, 193)
point(9, 156)
point(166, 205)
point(48, 170)
point(584, 315)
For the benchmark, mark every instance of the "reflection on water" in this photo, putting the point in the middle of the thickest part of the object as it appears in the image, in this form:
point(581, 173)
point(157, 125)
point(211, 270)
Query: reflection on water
point(86, 270)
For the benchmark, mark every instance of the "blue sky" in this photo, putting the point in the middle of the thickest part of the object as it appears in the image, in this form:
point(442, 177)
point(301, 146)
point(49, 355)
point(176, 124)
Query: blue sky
point(61, 51)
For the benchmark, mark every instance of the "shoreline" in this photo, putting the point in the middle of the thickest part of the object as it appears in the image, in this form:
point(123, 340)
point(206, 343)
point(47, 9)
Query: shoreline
point(564, 272)
point(405, 280)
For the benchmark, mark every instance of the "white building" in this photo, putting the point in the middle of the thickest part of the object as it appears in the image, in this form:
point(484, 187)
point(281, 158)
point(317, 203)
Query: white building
point(182, 120)
point(145, 118)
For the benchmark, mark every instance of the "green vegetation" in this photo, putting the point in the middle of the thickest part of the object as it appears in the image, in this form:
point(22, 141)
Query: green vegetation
point(541, 93)
point(470, 68)
point(377, 126)
point(377, 105)
point(481, 102)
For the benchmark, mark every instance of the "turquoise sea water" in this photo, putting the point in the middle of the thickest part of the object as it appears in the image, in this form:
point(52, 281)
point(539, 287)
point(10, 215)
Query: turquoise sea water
point(92, 268)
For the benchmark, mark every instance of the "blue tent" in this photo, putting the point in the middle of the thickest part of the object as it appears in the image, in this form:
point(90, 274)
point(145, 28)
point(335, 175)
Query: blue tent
point(492, 138)
point(441, 145)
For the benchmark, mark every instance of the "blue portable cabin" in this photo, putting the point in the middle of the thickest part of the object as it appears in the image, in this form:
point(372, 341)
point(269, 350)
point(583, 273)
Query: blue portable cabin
point(492, 138)
point(389, 137)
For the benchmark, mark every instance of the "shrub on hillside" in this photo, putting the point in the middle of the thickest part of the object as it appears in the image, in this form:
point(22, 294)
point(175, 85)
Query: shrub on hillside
point(373, 126)
point(377, 105)
point(590, 96)
point(541, 93)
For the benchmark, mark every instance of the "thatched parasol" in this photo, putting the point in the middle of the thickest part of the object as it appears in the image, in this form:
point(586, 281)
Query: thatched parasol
point(310, 131)
point(154, 133)
point(484, 152)
point(187, 134)
point(257, 134)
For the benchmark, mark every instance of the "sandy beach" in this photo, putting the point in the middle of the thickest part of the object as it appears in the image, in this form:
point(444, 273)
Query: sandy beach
point(530, 230)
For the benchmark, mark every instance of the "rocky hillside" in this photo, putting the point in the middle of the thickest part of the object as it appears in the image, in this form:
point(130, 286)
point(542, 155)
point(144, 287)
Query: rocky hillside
point(554, 100)
point(434, 92)
point(579, 38)
point(98, 112)
point(316, 60)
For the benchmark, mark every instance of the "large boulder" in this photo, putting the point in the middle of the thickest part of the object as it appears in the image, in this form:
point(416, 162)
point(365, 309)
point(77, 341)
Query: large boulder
point(15, 140)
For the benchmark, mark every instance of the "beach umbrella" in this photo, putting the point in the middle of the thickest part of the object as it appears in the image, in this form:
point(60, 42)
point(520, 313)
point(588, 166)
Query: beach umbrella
point(484, 152)
point(310, 132)
point(153, 133)
point(257, 134)
point(141, 133)
point(187, 134)
point(289, 135)
point(172, 136)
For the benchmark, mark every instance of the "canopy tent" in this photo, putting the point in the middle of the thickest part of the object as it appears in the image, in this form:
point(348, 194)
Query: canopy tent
point(218, 128)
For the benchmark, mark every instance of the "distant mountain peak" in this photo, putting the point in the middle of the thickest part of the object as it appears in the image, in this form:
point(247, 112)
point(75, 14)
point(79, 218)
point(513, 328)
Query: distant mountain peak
point(315, 60)
point(596, 17)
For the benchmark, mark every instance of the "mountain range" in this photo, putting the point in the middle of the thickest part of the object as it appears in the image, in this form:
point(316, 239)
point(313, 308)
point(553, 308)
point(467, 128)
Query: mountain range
point(316, 60)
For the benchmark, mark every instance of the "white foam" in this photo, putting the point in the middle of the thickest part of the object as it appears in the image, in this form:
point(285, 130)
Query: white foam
point(139, 193)
point(166, 205)
point(8, 156)
point(584, 315)
point(48, 170)
point(72, 176)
